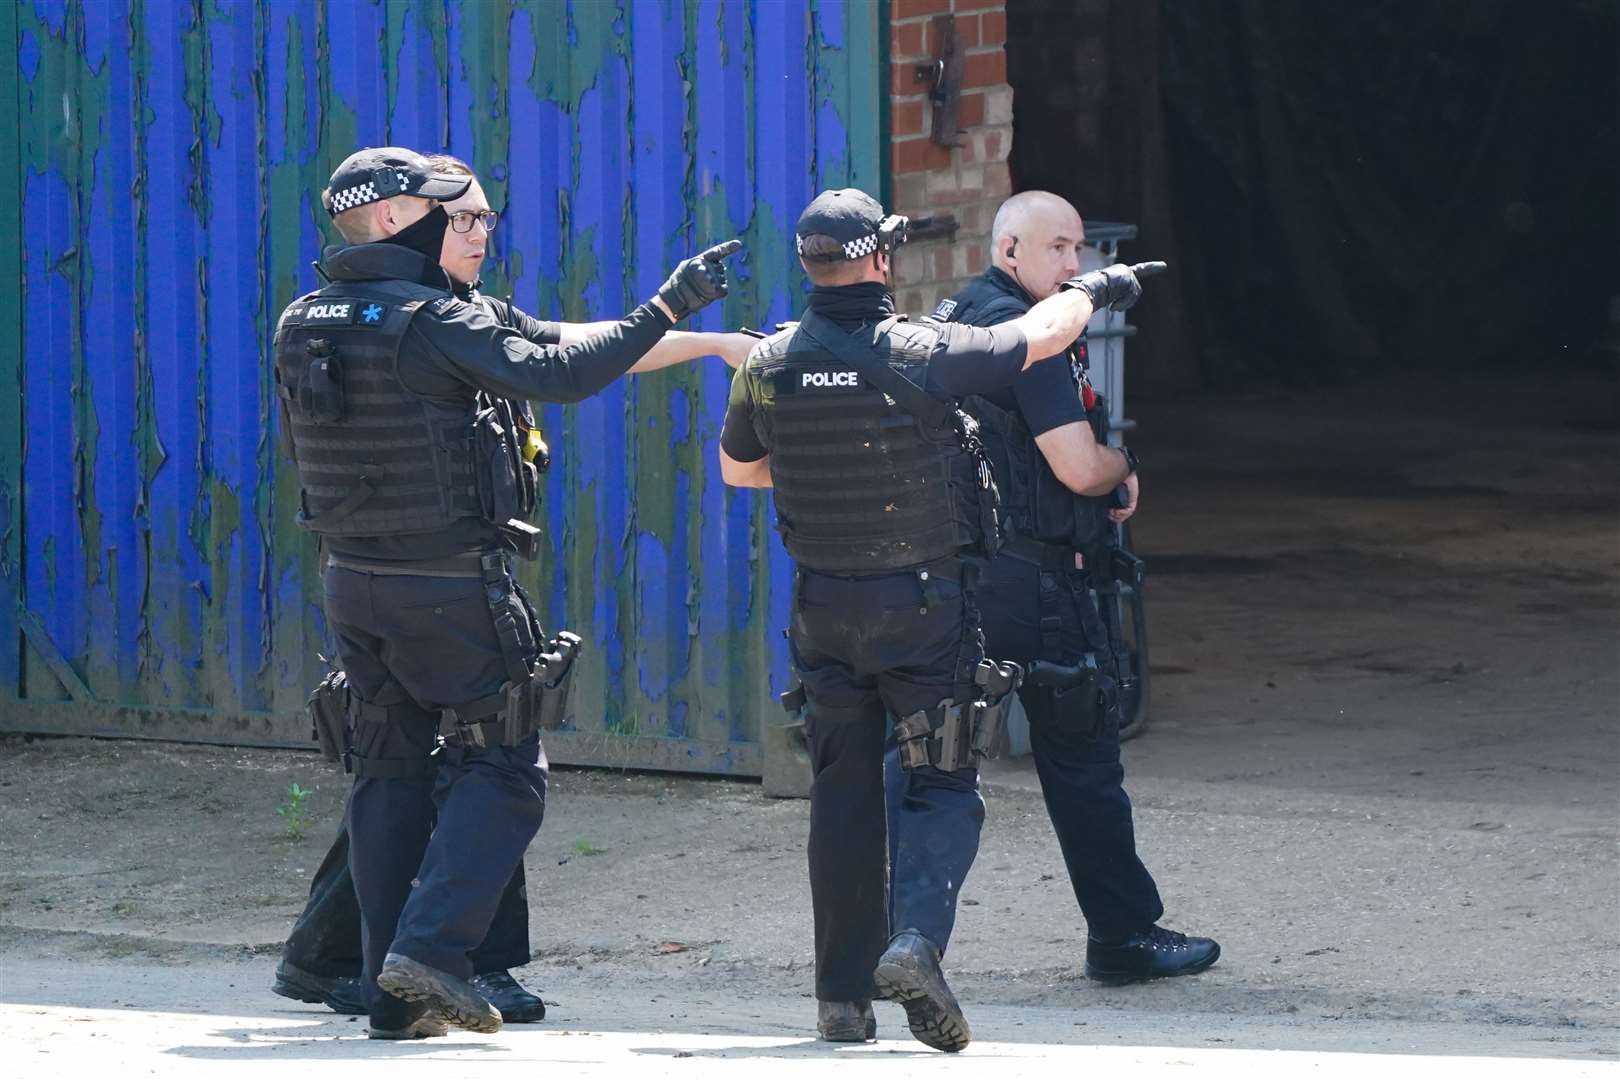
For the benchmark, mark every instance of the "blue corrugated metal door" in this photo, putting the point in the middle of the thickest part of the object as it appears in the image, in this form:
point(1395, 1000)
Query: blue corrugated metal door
point(167, 159)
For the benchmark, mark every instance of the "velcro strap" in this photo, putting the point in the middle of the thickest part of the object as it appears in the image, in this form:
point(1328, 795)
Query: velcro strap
point(366, 712)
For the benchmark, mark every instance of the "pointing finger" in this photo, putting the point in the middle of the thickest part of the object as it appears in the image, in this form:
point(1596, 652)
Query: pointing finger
point(1148, 269)
point(720, 251)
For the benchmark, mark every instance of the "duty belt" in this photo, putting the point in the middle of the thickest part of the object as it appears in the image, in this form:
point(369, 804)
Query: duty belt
point(455, 566)
point(1037, 553)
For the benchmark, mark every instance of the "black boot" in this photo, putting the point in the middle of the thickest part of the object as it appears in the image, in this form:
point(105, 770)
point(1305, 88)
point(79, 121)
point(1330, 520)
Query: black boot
point(845, 1021)
point(1153, 954)
point(908, 973)
point(341, 994)
point(516, 1004)
point(451, 997)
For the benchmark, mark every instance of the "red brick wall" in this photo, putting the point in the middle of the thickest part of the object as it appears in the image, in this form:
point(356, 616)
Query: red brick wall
point(969, 180)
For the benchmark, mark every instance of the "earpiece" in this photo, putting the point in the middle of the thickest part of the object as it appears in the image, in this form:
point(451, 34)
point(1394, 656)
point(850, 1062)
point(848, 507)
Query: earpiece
point(1012, 249)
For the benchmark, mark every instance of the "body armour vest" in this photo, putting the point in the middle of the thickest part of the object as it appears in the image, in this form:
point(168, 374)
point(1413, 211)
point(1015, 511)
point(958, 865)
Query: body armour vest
point(1037, 504)
point(862, 485)
point(373, 457)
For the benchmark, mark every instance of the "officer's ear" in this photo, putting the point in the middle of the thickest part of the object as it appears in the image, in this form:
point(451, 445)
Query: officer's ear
point(1012, 249)
point(383, 223)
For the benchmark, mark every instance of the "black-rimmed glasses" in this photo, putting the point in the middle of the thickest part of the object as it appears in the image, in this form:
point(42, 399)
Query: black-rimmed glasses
point(462, 220)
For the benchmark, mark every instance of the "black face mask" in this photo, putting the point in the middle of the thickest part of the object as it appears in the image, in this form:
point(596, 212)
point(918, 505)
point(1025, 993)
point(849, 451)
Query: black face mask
point(425, 235)
point(867, 301)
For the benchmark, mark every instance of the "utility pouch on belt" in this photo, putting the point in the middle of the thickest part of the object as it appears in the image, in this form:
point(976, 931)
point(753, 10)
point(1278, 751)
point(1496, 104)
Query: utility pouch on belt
point(523, 537)
point(328, 709)
point(951, 736)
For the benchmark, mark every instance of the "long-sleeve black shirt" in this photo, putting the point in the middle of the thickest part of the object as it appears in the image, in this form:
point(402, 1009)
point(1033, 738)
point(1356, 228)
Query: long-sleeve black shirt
point(461, 344)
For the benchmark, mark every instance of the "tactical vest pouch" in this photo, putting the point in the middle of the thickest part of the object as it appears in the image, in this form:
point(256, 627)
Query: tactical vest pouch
point(328, 710)
point(321, 395)
point(499, 481)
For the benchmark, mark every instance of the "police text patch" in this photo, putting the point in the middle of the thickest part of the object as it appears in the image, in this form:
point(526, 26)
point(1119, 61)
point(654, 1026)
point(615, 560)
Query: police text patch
point(340, 313)
point(829, 378)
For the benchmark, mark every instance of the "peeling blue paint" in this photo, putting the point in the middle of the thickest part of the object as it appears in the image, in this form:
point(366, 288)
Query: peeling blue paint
point(170, 155)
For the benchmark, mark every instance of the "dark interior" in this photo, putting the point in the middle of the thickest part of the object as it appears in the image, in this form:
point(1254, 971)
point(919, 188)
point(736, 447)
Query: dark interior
point(1383, 187)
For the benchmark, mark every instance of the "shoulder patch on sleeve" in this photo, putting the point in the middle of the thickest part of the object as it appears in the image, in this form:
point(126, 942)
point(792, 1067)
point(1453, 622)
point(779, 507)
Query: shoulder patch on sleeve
point(446, 306)
point(943, 312)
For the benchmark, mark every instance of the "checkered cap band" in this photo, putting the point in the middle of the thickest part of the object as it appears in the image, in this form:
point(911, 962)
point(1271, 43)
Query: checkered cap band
point(855, 249)
point(349, 198)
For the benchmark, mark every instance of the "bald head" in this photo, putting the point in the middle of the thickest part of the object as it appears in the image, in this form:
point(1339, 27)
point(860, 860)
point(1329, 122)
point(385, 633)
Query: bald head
point(1036, 239)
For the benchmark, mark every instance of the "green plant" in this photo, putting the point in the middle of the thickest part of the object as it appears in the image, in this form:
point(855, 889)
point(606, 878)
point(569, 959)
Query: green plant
point(585, 847)
point(294, 813)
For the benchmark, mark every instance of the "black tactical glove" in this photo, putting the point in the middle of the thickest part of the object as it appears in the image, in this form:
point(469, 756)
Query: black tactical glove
point(698, 282)
point(1118, 286)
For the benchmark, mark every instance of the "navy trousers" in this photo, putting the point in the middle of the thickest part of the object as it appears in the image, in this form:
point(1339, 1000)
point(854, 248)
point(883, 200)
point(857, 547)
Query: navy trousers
point(325, 939)
point(431, 854)
point(1077, 758)
point(865, 648)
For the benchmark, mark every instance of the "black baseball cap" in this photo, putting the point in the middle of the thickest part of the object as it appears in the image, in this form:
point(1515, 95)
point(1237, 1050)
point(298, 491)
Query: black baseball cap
point(849, 215)
point(381, 172)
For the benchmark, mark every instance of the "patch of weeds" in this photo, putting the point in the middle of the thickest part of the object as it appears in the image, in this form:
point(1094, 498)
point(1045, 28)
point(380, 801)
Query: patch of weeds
point(585, 847)
point(294, 812)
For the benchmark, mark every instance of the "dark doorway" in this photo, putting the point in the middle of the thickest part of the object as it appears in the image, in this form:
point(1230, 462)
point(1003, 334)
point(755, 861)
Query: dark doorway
point(1343, 188)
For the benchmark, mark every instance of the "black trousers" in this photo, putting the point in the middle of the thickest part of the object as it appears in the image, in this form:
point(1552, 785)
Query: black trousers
point(325, 939)
point(431, 854)
point(863, 648)
point(1077, 758)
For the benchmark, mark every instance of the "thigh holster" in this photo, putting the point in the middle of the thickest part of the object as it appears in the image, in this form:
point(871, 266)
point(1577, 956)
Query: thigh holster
point(953, 736)
point(538, 701)
point(328, 711)
point(1080, 696)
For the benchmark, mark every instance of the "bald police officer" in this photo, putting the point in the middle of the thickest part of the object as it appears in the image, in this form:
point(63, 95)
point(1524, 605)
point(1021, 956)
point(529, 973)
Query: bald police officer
point(887, 508)
point(1048, 434)
point(412, 474)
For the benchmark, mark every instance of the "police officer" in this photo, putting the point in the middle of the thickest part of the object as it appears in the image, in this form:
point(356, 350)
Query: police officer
point(321, 959)
point(1047, 435)
point(394, 397)
point(886, 508)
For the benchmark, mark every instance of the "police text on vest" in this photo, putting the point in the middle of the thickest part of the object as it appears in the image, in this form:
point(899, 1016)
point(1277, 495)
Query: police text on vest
point(830, 378)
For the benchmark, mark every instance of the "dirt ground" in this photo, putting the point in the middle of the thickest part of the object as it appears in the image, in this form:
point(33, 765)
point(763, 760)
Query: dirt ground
point(1383, 768)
